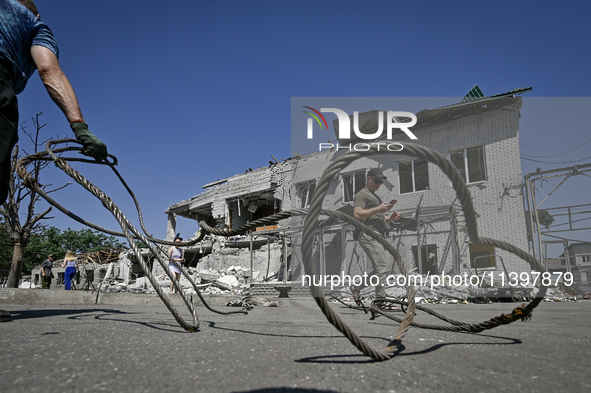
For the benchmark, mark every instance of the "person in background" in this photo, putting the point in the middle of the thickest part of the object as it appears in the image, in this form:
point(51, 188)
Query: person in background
point(46, 273)
point(175, 253)
point(70, 263)
point(27, 44)
point(370, 209)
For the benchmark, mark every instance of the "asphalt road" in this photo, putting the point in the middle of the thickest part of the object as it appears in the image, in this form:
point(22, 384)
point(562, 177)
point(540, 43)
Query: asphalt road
point(291, 348)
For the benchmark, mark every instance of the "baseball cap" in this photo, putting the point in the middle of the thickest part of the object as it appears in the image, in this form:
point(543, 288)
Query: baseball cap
point(376, 173)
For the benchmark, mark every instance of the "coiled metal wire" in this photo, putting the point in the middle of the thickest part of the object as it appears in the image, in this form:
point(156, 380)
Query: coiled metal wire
point(312, 215)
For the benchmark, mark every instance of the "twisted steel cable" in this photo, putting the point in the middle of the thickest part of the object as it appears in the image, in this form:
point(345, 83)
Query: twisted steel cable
point(465, 199)
point(310, 223)
point(129, 231)
point(45, 156)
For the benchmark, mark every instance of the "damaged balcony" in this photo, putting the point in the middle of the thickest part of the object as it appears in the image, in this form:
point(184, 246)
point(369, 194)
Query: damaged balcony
point(231, 203)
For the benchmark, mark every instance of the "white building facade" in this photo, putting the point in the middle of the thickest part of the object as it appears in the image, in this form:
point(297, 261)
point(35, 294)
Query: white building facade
point(480, 137)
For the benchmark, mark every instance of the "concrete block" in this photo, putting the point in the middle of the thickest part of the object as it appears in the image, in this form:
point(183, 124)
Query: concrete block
point(43, 296)
point(228, 282)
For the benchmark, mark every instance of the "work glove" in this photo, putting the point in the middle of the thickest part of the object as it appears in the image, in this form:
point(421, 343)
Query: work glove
point(93, 146)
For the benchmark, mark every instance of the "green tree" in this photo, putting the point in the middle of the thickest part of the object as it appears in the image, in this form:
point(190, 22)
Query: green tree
point(42, 243)
point(52, 240)
point(87, 240)
point(5, 248)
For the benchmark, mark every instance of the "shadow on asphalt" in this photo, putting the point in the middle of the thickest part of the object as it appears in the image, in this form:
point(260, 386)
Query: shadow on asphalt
point(213, 326)
point(44, 313)
point(366, 359)
point(103, 315)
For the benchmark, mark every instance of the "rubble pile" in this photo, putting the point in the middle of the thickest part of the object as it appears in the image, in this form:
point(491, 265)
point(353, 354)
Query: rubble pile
point(232, 280)
point(251, 301)
point(555, 294)
point(464, 294)
point(113, 287)
point(265, 259)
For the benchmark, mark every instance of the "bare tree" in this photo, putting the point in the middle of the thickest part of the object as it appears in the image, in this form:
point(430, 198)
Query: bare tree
point(20, 226)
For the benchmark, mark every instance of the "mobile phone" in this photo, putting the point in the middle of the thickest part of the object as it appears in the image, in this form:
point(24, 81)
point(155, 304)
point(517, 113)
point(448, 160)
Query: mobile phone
point(393, 201)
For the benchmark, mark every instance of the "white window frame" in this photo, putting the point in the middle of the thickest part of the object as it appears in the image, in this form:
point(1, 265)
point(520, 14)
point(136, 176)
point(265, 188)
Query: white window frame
point(414, 187)
point(304, 200)
point(465, 157)
point(353, 175)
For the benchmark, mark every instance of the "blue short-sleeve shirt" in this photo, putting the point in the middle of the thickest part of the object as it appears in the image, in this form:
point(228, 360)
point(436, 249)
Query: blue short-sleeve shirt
point(20, 29)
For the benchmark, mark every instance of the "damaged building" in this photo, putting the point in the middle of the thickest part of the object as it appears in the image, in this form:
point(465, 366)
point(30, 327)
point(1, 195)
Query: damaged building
point(480, 136)
point(94, 268)
point(576, 259)
point(231, 203)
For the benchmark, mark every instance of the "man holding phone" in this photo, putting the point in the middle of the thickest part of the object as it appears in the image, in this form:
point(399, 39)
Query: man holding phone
point(369, 208)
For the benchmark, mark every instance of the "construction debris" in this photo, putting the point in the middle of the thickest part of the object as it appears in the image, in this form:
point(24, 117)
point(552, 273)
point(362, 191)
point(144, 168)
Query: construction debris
point(250, 301)
point(114, 270)
point(231, 281)
point(101, 257)
point(461, 294)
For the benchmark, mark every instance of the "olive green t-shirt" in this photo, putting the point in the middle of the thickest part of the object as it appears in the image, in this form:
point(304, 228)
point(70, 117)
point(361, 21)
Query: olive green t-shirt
point(366, 199)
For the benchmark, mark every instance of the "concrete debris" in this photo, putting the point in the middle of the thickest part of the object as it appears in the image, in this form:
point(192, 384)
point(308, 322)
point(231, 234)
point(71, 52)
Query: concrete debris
point(557, 295)
point(228, 282)
point(209, 275)
point(113, 286)
point(250, 301)
point(27, 285)
point(141, 283)
point(462, 294)
point(232, 280)
point(211, 290)
point(103, 256)
point(266, 260)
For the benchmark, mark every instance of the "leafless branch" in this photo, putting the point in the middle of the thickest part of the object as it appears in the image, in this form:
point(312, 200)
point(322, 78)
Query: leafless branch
point(59, 188)
point(19, 228)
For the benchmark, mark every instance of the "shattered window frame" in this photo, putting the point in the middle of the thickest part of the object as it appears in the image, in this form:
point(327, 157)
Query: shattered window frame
point(304, 192)
point(413, 176)
point(471, 162)
point(353, 182)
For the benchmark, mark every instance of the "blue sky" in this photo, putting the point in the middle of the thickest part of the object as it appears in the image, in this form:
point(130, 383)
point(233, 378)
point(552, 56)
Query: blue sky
point(188, 92)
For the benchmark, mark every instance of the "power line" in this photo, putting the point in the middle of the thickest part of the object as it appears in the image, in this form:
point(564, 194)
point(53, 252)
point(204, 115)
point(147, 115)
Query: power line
point(548, 162)
point(559, 154)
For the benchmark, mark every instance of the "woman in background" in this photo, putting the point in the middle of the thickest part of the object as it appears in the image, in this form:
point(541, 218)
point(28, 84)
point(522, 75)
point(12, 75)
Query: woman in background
point(70, 263)
point(175, 254)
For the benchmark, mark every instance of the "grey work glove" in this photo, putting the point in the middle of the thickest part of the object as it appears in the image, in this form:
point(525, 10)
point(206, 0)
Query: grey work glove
point(93, 146)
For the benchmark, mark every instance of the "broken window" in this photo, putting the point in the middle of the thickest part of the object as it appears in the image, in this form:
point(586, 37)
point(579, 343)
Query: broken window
point(482, 256)
point(428, 258)
point(352, 184)
point(470, 163)
point(305, 191)
point(414, 176)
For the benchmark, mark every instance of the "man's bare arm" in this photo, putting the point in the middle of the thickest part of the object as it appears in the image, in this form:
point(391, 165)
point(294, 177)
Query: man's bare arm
point(361, 214)
point(62, 93)
point(55, 81)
